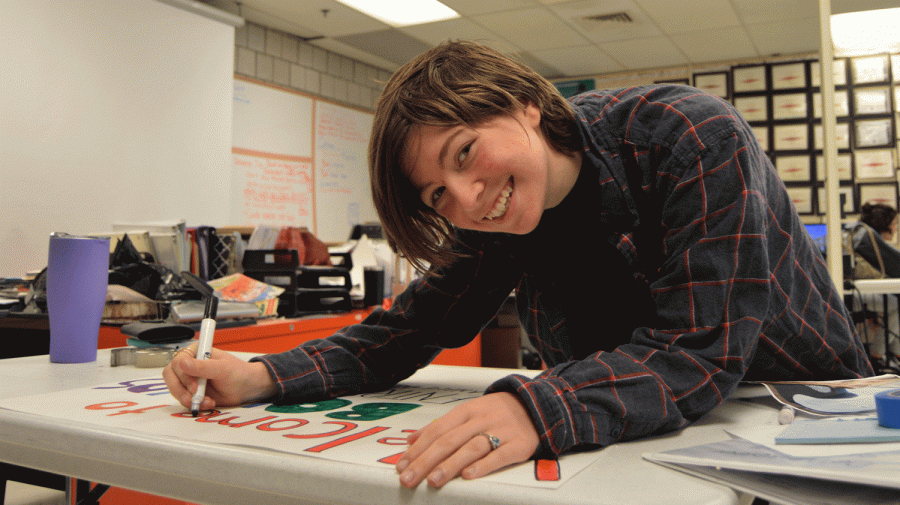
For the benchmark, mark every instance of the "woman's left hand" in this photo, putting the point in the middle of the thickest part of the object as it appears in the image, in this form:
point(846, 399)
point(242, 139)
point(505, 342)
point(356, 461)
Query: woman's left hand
point(455, 444)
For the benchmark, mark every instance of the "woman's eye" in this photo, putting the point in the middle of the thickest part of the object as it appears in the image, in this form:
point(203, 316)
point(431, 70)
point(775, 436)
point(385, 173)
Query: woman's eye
point(436, 195)
point(463, 154)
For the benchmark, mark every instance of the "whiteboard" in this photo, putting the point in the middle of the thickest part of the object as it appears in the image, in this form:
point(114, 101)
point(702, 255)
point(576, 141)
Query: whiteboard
point(299, 161)
point(272, 121)
point(110, 111)
point(344, 196)
point(272, 191)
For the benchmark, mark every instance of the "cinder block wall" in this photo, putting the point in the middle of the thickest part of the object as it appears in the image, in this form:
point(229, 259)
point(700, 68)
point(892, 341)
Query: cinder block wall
point(283, 59)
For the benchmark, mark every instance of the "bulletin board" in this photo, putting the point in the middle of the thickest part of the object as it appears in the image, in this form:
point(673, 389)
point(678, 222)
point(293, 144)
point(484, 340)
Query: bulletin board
point(299, 161)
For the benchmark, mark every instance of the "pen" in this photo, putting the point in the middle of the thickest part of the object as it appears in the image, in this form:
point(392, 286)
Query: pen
point(207, 328)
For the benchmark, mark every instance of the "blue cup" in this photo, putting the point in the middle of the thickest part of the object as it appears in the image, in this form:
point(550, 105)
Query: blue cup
point(77, 275)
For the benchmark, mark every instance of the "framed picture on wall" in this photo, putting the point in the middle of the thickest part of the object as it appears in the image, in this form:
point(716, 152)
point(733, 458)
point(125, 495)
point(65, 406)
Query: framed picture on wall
point(751, 78)
point(793, 168)
point(789, 106)
point(841, 136)
point(870, 69)
point(844, 191)
point(840, 73)
point(874, 132)
point(874, 164)
point(843, 163)
point(753, 108)
point(714, 83)
point(762, 136)
point(872, 100)
point(791, 137)
point(841, 103)
point(878, 193)
point(789, 75)
point(801, 197)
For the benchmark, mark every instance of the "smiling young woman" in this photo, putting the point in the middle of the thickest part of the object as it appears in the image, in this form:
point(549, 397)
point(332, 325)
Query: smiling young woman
point(498, 176)
point(460, 86)
point(655, 256)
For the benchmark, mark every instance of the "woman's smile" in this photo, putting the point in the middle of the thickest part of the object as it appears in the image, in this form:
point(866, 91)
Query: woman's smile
point(498, 176)
point(502, 203)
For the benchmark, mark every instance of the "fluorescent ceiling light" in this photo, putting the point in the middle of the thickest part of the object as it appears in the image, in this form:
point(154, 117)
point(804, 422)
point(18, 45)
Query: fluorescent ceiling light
point(403, 12)
point(866, 32)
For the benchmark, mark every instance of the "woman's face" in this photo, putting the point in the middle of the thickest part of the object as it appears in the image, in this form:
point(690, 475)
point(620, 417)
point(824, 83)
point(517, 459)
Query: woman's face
point(496, 177)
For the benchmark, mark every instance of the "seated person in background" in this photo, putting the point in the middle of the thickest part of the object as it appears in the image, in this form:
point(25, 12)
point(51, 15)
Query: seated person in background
point(656, 256)
point(881, 218)
point(869, 238)
point(877, 224)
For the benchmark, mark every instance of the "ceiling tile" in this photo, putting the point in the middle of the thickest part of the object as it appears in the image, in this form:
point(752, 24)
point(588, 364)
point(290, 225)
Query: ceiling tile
point(392, 45)
point(473, 7)
point(580, 60)
point(454, 29)
point(355, 53)
point(339, 19)
point(264, 18)
point(656, 52)
point(842, 6)
point(533, 28)
point(754, 12)
point(700, 31)
point(715, 45)
point(537, 65)
point(579, 15)
point(684, 16)
point(786, 37)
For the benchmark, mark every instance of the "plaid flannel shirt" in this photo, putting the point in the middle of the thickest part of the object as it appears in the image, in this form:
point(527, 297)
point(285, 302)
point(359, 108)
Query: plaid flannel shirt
point(738, 290)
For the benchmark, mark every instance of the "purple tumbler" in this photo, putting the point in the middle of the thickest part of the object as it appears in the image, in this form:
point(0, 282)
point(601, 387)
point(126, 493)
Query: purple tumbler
point(77, 274)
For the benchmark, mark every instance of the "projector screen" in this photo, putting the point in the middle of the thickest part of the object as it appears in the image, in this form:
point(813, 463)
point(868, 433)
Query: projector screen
point(110, 111)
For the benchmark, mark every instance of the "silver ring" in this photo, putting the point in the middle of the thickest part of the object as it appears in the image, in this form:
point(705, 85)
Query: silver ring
point(494, 441)
point(188, 349)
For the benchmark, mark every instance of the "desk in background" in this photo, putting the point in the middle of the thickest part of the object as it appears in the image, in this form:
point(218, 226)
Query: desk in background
point(854, 295)
point(30, 336)
point(875, 287)
point(235, 475)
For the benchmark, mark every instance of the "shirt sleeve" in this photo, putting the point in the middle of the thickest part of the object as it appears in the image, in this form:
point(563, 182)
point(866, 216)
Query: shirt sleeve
point(445, 310)
point(730, 263)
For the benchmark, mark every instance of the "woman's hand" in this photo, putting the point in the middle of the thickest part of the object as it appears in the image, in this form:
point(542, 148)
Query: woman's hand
point(456, 443)
point(230, 380)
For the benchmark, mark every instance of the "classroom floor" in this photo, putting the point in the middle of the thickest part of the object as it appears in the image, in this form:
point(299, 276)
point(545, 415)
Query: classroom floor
point(18, 493)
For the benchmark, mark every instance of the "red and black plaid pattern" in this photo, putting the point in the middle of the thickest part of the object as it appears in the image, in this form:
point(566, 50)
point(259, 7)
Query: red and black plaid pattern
point(738, 291)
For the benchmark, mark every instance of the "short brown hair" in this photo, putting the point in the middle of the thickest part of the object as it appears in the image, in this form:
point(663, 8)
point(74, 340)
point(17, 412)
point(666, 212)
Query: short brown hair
point(878, 215)
point(452, 84)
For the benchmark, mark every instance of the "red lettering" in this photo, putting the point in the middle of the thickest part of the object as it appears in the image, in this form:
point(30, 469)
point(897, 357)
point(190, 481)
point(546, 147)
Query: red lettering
point(392, 460)
point(347, 439)
point(121, 405)
point(396, 440)
point(227, 422)
point(296, 423)
point(346, 427)
point(137, 411)
point(110, 405)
